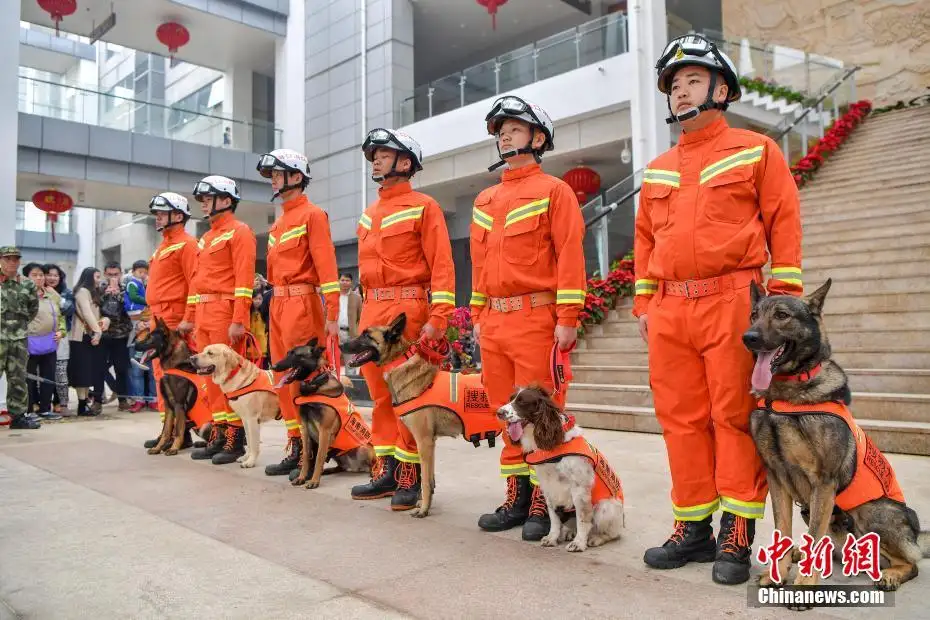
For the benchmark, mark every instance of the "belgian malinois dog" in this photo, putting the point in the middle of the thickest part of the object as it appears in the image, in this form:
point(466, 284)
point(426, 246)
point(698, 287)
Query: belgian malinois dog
point(178, 393)
point(812, 457)
point(384, 344)
point(319, 423)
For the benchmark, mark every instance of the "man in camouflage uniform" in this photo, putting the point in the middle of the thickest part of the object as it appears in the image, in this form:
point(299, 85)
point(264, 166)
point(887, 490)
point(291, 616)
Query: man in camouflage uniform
point(19, 303)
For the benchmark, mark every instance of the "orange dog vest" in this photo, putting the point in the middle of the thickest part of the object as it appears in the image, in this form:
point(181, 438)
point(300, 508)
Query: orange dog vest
point(353, 431)
point(606, 483)
point(463, 395)
point(874, 477)
point(264, 382)
point(201, 412)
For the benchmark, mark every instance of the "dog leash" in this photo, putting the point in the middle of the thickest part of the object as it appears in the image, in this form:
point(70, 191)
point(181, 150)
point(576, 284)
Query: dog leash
point(335, 355)
point(560, 367)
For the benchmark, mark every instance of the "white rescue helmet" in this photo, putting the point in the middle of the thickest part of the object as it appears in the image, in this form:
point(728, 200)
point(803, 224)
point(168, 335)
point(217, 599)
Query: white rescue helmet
point(169, 201)
point(511, 106)
point(285, 160)
point(219, 186)
point(696, 50)
point(398, 141)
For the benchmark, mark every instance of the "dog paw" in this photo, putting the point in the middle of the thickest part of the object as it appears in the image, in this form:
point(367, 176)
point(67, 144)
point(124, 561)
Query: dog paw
point(170, 452)
point(247, 464)
point(576, 546)
point(418, 513)
point(550, 541)
point(241, 458)
point(313, 484)
point(298, 481)
point(888, 583)
point(796, 555)
point(154, 450)
point(765, 581)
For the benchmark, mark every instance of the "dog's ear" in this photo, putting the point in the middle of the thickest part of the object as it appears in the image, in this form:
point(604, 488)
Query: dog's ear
point(815, 300)
point(756, 294)
point(313, 342)
point(547, 423)
point(396, 330)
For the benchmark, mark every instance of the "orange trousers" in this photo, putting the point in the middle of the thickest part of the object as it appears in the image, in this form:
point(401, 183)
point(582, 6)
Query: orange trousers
point(700, 373)
point(389, 435)
point(515, 351)
point(294, 321)
point(213, 319)
point(172, 314)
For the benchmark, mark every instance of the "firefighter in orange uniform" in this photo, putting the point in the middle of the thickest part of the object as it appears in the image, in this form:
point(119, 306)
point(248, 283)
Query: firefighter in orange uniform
point(170, 272)
point(220, 300)
point(528, 287)
point(405, 265)
point(711, 209)
point(301, 257)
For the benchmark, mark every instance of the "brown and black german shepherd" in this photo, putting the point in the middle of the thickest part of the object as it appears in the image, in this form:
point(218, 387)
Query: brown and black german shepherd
point(178, 393)
point(810, 458)
point(382, 345)
point(319, 424)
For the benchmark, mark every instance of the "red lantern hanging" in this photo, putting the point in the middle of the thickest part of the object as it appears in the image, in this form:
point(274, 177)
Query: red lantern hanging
point(58, 9)
point(173, 35)
point(492, 5)
point(584, 181)
point(52, 202)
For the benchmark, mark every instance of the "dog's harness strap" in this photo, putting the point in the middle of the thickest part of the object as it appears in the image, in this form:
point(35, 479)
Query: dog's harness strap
point(519, 302)
point(801, 377)
point(606, 482)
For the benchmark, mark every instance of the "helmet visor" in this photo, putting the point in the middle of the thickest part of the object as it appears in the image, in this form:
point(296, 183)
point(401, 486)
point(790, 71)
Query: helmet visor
point(160, 203)
point(382, 137)
point(203, 188)
point(512, 107)
point(687, 45)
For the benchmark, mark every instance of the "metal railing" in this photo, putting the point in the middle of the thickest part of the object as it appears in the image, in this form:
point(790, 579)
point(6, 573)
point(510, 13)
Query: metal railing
point(86, 105)
point(562, 52)
point(605, 235)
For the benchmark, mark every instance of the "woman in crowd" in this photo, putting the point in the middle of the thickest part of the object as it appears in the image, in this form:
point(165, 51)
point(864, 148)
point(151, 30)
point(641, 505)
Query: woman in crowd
point(55, 279)
point(85, 365)
point(43, 334)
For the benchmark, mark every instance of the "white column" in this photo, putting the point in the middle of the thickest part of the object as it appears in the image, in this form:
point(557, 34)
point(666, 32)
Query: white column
point(85, 225)
point(237, 104)
point(9, 116)
point(648, 110)
point(289, 82)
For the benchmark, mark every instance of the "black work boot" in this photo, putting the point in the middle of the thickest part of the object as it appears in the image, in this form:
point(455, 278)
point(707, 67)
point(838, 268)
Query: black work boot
point(383, 482)
point(692, 541)
point(537, 523)
point(291, 460)
point(734, 549)
point(515, 509)
point(408, 487)
point(233, 448)
point(214, 445)
point(22, 422)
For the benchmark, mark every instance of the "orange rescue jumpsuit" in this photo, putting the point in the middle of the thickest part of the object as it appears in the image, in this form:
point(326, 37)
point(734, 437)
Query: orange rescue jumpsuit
point(171, 270)
point(526, 237)
point(221, 293)
point(403, 250)
point(301, 257)
point(709, 209)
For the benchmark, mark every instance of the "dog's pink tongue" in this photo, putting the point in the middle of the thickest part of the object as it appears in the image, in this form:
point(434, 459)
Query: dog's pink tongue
point(762, 372)
point(515, 429)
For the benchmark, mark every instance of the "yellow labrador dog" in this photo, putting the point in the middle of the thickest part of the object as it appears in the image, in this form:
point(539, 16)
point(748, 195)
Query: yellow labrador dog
point(249, 389)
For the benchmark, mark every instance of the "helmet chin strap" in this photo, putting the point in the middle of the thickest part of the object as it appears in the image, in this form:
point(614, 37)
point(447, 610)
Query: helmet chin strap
point(692, 112)
point(526, 150)
point(214, 211)
point(287, 188)
point(380, 178)
point(168, 225)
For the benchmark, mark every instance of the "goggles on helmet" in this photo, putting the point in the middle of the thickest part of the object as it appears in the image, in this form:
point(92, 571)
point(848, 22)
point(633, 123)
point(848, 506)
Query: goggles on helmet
point(512, 105)
point(161, 201)
point(205, 189)
point(688, 45)
point(382, 137)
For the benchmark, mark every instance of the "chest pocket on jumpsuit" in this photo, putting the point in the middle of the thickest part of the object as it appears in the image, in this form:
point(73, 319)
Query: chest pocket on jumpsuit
point(523, 230)
point(660, 197)
point(214, 250)
point(290, 239)
point(400, 241)
point(728, 189)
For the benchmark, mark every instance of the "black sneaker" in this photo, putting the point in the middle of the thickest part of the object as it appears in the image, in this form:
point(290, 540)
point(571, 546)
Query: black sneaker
point(734, 549)
point(515, 509)
point(692, 541)
point(23, 422)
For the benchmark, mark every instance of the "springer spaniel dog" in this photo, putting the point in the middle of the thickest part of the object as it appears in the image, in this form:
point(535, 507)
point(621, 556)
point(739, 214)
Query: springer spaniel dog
point(571, 472)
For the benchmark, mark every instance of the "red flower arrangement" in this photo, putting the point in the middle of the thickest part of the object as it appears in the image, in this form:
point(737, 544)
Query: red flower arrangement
point(603, 293)
point(805, 168)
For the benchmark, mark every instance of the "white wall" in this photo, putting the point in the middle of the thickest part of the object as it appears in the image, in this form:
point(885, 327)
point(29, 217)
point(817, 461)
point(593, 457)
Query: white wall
point(289, 104)
point(593, 89)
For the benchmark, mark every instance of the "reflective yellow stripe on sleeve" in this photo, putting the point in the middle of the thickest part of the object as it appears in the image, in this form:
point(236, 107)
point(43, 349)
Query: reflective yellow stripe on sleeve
point(242, 291)
point(365, 221)
point(442, 297)
point(478, 299)
point(329, 287)
point(193, 299)
point(569, 296)
point(790, 275)
point(646, 287)
point(271, 240)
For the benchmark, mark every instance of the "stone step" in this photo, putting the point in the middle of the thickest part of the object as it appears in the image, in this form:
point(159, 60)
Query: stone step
point(911, 270)
point(871, 218)
point(837, 172)
point(868, 405)
point(860, 212)
point(897, 255)
point(881, 321)
point(883, 143)
point(869, 203)
point(855, 288)
point(879, 242)
point(882, 231)
point(852, 192)
point(892, 437)
point(897, 117)
point(893, 380)
point(855, 358)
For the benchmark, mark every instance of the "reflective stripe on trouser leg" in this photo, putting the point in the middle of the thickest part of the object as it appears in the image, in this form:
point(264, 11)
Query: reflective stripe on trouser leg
point(383, 419)
point(406, 457)
point(406, 449)
point(750, 510)
point(533, 479)
point(682, 405)
point(293, 321)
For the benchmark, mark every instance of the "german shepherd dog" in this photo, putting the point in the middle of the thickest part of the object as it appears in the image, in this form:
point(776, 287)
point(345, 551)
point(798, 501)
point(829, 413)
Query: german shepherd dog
point(382, 345)
point(179, 394)
point(319, 423)
point(810, 458)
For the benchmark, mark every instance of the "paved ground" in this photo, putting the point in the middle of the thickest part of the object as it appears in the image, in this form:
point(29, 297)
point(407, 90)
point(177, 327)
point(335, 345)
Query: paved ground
point(93, 527)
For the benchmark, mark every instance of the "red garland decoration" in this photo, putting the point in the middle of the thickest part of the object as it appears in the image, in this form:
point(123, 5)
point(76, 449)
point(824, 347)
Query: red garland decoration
point(805, 168)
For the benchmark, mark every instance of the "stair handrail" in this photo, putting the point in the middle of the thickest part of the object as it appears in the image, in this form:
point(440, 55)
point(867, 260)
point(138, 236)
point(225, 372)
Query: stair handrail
point(827, 91)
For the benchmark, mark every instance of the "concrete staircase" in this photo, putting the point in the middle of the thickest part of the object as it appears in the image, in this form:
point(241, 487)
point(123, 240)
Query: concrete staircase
point(866, 219)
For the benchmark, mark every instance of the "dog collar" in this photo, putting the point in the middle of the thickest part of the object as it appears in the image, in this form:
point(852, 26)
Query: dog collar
point(235, 371)
point(801, 377)
point(434, 352)
point(569, 422)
